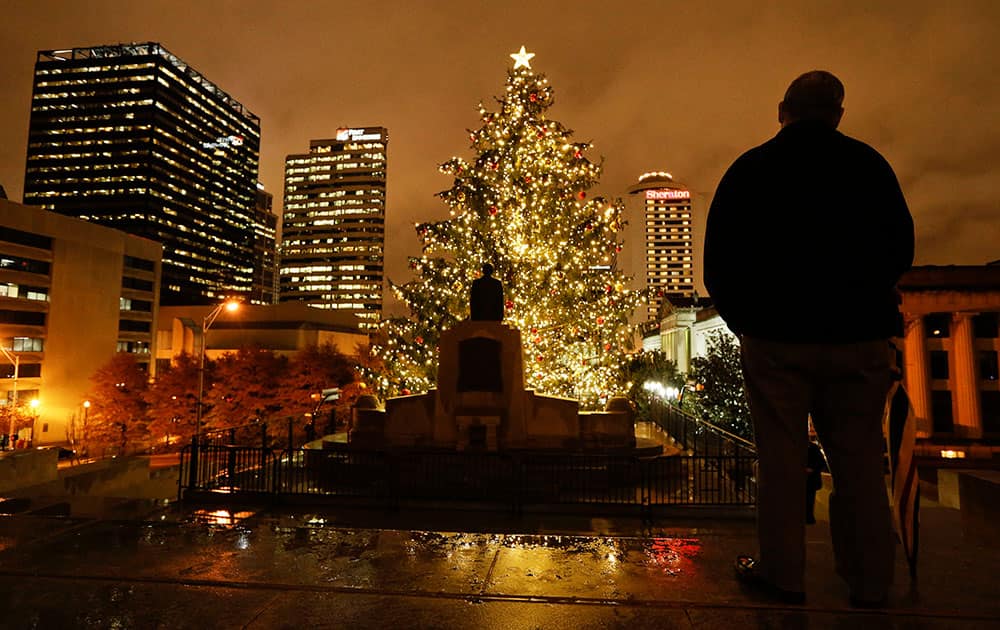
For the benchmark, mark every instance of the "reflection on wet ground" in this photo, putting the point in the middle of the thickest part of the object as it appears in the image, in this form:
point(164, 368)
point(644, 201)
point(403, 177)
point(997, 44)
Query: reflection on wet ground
point(244, 567)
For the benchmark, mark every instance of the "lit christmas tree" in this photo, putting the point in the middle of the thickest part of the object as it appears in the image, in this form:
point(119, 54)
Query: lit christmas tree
point(522, 206)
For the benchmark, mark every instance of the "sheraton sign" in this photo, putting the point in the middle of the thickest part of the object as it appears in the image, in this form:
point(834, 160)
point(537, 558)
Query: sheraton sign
point(667, 193)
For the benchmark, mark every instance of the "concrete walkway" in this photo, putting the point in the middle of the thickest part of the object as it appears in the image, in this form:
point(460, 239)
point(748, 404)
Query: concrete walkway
point(154, 565)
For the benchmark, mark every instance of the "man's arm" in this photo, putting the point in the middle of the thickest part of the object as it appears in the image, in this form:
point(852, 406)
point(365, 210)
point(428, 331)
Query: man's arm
point(894, 225)
point(722, 247)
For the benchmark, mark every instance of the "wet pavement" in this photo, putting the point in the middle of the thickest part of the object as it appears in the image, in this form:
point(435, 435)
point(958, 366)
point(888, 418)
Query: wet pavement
point(152, 564)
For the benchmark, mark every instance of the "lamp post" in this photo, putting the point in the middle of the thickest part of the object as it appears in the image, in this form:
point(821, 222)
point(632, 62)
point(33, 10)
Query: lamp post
point(206, 323)
point(86, 412)
point(34, 420)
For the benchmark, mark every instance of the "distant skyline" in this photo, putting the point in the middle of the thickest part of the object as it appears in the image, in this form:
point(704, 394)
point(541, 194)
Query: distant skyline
point(653, 85)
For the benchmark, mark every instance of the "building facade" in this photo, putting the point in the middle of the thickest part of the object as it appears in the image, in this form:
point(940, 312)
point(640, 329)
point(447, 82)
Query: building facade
point(333, 227)
point(950, 349)
point(72, 294)
point(666, 230)
point(130, 136)
point(265, 255)
point(284, 328)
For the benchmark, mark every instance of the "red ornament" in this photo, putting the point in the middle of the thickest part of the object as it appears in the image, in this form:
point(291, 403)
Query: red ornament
point(537, 340)
point(534, 331)
point(607, 346)
point(509, 305)
point(618, 248)
point(540, 358)
point(405, 392)
point(578, 154)
point(493, 210)
point(600, 320)
point(609, 288)
point(582, 195)
point(532, 97)
point(419, 340)
point(527, 179)
point(495, 165)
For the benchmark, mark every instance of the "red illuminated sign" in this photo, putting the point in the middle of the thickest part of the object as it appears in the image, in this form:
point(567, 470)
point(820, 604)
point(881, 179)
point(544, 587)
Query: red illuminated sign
point(666, 193)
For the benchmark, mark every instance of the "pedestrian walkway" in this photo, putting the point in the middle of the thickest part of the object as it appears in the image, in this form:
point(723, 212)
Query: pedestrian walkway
point(213, 568)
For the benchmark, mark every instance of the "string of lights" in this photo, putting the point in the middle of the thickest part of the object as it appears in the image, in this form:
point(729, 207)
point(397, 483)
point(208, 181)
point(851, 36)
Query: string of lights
point(521, 205)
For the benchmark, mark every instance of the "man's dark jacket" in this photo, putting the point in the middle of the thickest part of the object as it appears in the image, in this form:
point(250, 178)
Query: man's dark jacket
point(807, 236)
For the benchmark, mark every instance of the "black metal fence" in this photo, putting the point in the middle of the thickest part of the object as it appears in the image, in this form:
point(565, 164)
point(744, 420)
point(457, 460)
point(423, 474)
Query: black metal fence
point(716, 468)
point(514, 481)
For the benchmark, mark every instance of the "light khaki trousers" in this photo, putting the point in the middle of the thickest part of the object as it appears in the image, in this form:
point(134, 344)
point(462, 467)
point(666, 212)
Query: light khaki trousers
point(843, 387)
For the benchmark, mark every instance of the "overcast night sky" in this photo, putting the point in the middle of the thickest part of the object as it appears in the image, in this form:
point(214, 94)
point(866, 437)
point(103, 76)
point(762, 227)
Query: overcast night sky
point(678, 86)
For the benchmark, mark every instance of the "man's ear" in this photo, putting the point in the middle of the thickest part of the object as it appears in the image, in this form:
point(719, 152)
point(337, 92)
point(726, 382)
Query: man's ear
point(836, 119)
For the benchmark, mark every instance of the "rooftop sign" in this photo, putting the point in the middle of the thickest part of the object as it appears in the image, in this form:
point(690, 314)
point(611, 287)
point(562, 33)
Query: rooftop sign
point(668, 193)
point(345, 134)
point(224, 142)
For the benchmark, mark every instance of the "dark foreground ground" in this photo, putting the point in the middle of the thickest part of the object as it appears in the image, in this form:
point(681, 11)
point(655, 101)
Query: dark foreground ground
point(115, 564)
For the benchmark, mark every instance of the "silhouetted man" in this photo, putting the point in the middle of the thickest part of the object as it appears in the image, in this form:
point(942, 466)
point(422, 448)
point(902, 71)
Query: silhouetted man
point(486, 299)
point(816, 221)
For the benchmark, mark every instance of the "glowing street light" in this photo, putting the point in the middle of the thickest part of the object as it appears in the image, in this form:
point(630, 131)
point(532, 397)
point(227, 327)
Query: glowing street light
point(231, 306)
point(34, 403)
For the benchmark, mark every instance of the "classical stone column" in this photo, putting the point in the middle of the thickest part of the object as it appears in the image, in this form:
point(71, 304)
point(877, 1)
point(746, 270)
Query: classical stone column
point(965, 378)
point(915, 372)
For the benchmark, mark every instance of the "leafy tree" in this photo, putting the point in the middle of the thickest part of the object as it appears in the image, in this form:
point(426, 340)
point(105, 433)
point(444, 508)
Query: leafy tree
point(172, 400)
point(645, 368)
point(721, 398)
point(13, 419)
point(522, 205)
point(310, 371)
point(246, 386)
point(118, 407)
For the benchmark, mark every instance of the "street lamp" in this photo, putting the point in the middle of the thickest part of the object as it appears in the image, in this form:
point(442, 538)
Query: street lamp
point(34, 419)
point(206, 323)
point(86, 412)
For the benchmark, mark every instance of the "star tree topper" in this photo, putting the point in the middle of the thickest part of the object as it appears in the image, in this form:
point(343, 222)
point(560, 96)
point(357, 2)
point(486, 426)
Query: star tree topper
point(522, 58)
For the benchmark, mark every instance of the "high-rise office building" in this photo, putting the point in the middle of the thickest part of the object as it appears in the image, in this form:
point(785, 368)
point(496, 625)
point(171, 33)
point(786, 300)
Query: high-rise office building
point(265, 258)
point(333, 228)
point(131, 137)
point(667, 227)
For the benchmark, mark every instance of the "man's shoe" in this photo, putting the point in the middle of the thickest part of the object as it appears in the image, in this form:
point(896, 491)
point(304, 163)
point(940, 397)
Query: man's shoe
point(746, 572)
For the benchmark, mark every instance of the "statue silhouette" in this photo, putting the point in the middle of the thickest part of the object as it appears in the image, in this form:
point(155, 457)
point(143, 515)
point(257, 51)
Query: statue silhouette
point(486, 297)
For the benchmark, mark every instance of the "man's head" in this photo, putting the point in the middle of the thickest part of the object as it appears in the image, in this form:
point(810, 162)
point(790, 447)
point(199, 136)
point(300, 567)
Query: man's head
point(815, 95)
point(487, 270)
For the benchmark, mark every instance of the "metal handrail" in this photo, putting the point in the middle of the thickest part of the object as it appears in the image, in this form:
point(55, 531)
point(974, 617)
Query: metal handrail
point(698, 437)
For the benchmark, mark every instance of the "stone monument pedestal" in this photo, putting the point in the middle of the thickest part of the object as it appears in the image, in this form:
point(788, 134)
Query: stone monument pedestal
point(480, 403)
